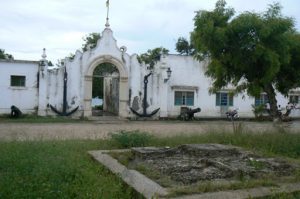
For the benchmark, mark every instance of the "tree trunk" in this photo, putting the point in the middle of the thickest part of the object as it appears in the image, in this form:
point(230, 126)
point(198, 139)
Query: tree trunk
point(269, 89)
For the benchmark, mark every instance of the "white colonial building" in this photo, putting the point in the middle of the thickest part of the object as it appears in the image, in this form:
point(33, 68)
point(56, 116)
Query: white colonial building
point(37, 87)
point(19, 85)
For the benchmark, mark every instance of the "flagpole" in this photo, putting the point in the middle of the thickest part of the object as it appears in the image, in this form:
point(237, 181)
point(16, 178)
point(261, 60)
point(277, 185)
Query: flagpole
point(107, 19)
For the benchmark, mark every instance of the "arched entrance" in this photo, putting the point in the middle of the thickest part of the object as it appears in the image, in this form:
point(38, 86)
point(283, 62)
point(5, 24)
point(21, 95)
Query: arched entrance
point(122, 87)
point(105, 90)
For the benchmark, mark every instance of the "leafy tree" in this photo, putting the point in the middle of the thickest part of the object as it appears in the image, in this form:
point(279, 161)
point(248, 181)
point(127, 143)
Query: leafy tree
point(50, 63)
point(100, 71)
point(90, 41)
point(71, 56)
point(152, 56)
point(255, 52)
point(4, 55)
point(184, 47)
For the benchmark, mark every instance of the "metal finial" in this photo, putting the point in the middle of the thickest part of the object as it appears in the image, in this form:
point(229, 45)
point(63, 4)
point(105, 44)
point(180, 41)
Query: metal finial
point(44, 54)
point(107, 18)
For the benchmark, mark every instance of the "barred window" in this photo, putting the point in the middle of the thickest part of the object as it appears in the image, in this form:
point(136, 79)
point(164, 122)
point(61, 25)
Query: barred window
point(184, 98)
point(16, 80)
point(224, 99)
point(261, 100)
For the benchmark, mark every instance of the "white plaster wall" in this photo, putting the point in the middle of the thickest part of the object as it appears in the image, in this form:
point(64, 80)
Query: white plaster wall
point(106, 47)
point(78, 70)
point(55, 90)
point(25, 98)
point(188, 72)
point(74, 84)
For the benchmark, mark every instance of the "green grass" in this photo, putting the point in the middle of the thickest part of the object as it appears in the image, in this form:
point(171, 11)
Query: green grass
point(63, 169)
point(39, 119)
point(295, 195)
point(57, 169)
point(269, 143)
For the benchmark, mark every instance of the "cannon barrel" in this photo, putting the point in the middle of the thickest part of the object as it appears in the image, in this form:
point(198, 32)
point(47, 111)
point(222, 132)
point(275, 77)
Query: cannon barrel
point(15, 112)
point(188, 114)
point(192, 111)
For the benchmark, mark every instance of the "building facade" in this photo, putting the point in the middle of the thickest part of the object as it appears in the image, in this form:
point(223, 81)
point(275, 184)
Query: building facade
point(19, 85)
point(67, 89)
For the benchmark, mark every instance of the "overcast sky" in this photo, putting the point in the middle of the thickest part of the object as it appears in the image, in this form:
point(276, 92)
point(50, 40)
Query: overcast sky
point(26, 27)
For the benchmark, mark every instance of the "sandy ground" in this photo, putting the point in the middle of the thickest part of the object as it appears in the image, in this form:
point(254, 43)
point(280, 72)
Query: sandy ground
point(102, 129)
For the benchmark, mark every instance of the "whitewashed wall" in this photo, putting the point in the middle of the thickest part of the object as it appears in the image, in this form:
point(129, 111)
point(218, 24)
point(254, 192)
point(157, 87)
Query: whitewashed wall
point(187, 75)
point(25, 98)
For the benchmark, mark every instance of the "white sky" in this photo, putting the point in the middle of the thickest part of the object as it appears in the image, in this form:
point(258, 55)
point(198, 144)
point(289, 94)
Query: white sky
point(27, 26)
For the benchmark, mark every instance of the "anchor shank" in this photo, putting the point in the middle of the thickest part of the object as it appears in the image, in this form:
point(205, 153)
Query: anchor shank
point(145, 94)
point(65, 92)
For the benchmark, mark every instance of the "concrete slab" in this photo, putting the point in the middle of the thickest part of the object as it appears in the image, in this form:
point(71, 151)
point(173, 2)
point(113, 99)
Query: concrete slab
point(151, 189)
point(246, 193)
point(138, 181)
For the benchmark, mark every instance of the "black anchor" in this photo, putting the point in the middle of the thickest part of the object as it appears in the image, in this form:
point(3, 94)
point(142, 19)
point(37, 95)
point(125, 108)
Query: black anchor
point(65, 104)
point(144, 114)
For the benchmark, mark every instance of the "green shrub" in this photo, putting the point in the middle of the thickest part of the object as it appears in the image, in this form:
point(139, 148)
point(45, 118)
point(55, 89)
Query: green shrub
point(127, 139)
point(258, 110)
point(98, 107)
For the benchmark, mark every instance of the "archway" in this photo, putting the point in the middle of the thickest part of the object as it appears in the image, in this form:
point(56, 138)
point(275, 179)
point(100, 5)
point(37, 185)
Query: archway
point(123, 84)
point(105, 90)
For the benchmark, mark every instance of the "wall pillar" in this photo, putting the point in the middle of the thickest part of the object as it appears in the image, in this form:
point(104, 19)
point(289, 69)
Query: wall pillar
point(87, 101)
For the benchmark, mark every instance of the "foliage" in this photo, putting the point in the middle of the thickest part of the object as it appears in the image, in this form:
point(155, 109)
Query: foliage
point(63, 169)
point(71, 56)
point(105, 69)
point(97, 87)
point(294, 195)
point(184, 47)
point(152, 56)
point(98, 107)
point(254, 52)
point(90, 41)
point(37, 119)
point(258, 110)
point(100, 71)
point(4, 55)
point(50, 63)
point(127, 139)
point(277, 142)
point(57, 169)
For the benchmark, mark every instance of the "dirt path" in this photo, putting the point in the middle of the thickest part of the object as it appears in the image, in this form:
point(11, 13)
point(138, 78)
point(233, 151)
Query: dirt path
point(98, 130)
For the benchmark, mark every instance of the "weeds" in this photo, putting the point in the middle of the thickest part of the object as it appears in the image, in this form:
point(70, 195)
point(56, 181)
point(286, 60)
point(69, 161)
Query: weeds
point(63, 169)
point(269, 143)
point(127, 139)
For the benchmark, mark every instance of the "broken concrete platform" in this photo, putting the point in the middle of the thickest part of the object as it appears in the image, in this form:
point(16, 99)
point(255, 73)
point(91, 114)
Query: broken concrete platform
point(189, 164)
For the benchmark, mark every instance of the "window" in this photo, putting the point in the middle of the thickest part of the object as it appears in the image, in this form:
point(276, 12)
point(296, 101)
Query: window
point(17, 80)
point(294, 99)
point(224, 99)
point(184, 98)
point(261, 100)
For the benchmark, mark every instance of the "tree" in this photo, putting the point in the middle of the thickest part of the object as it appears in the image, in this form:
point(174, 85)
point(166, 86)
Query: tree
point(90, 41)
point(184, 47)
point(152, 56)
point(100, 71)
point(253, 52)
point(4, 55)
point(71, 56)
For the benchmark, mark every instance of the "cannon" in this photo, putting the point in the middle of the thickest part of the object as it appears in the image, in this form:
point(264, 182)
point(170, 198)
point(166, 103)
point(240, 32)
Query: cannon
point(188, 113)
point(15, 112)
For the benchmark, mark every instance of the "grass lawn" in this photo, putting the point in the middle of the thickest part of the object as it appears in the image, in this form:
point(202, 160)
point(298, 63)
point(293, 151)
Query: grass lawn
point(39, 119)
point(63, 169)
point(57, 169)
